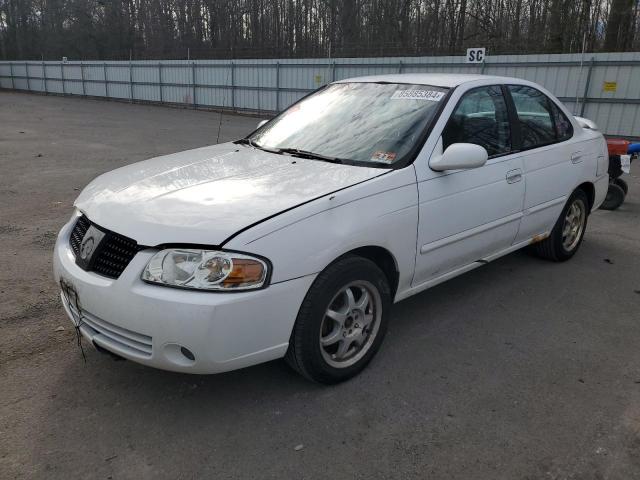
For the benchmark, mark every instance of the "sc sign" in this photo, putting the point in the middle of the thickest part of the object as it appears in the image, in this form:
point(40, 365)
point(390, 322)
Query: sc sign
point(476, 55)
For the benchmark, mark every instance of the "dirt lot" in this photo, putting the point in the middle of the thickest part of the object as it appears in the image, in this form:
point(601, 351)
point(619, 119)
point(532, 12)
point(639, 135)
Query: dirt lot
point(522, 369)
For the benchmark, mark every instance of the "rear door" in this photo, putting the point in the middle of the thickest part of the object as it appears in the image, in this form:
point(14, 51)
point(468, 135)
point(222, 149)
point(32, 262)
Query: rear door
point(550, 159)
point(466, 215)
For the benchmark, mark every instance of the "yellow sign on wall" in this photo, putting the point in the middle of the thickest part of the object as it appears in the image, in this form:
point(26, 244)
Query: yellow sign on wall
point(610, 86)
point(318, 79)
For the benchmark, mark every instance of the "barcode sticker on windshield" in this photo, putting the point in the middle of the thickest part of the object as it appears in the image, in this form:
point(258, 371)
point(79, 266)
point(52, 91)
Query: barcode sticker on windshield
point(430, 95)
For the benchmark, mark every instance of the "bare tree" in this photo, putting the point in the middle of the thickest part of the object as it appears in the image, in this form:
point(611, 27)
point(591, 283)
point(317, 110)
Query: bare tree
point(114, 29)
point(619, 25)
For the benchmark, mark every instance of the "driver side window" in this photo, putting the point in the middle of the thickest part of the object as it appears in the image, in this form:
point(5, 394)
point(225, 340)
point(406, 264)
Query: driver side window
point(481, 117)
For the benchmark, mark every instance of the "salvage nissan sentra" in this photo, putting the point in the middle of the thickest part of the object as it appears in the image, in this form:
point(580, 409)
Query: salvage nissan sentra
point(296, 240)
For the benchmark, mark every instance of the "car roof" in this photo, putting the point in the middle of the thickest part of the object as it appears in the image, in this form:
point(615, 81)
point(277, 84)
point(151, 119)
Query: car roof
point(435, 79)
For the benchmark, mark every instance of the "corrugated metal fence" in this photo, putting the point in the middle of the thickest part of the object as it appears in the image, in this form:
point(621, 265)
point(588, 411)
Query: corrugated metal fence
point(604, 87)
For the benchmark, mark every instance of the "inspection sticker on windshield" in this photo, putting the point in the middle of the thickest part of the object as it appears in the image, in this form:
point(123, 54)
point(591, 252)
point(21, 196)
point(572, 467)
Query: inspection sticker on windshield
point(430, 95)
point(384, 157)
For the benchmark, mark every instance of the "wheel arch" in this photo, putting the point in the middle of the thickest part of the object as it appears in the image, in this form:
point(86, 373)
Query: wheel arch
point(383, 258)
point(590, 190)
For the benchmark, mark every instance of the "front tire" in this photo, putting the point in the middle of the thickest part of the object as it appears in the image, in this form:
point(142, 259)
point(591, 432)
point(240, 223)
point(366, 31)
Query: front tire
point(567, 234)
point(342, 321)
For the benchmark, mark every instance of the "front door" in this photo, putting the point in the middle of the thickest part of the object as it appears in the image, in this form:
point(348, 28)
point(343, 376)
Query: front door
point(466, 215)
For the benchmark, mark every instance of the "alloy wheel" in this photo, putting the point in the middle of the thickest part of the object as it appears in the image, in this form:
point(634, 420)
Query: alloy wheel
point(573, 225)
point(350, 324)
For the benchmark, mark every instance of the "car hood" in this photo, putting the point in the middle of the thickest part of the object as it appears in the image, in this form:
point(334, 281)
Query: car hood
point(206, 195)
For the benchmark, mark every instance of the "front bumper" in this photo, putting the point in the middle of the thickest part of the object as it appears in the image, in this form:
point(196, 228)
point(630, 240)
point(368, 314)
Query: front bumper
point(150, 324)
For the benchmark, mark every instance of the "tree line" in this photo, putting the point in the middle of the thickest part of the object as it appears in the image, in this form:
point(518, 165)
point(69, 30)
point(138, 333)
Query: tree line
point(166, 29)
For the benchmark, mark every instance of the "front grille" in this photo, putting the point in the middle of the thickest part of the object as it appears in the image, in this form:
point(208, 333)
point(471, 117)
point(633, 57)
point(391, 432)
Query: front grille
point(115, 254)
point(112, 255)
point(82, 225)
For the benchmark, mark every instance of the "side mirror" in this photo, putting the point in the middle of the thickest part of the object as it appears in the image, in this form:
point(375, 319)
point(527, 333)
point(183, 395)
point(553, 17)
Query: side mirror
point(460, 156)
point(262, 123)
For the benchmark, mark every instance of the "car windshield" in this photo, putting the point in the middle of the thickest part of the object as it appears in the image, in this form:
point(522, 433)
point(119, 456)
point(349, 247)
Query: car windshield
point(377, 123)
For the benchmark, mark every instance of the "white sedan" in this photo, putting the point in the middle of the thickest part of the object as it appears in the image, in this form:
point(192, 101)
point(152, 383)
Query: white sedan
point(296, 240)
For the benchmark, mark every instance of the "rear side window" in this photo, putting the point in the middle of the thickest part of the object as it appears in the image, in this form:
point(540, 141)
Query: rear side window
point(481, 118)
point(564, 129)
point(536, 116)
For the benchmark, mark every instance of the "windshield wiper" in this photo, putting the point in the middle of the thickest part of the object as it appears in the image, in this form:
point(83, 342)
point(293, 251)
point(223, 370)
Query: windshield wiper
point(311, 155)
point(296, 152)
point(251, 143)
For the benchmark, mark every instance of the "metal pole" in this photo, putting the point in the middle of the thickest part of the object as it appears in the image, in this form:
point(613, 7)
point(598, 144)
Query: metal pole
point(584, 40)
point(482, 67)
point(233, 85)
point(333, 71)
point(193, 83)
point(13, 83)
point(44, 76)
point(400, 67)
point(277, 86)
point(106, 82)
point(84, 91)
point(160, 80)
point(26, 72)
point(130, 80)
point(64, 92)
point(259, 87)
point(586, 86)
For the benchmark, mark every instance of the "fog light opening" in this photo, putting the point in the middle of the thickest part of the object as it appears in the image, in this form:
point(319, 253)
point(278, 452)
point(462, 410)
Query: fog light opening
point(187, 353)
point(176, 354)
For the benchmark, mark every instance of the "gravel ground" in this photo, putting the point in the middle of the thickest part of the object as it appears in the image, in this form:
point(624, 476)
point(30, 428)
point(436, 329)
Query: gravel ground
point(522, 369)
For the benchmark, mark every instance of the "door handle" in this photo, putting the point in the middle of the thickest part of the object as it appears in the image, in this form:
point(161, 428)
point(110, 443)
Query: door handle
point(514, 175)
point(576, 157)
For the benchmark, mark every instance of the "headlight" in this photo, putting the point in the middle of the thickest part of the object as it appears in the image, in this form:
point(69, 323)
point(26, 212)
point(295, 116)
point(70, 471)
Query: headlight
point(206, 270)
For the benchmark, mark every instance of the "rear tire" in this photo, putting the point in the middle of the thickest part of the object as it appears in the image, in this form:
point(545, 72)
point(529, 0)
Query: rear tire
point(567, 234)
point(615, 197)
point(342, 321)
